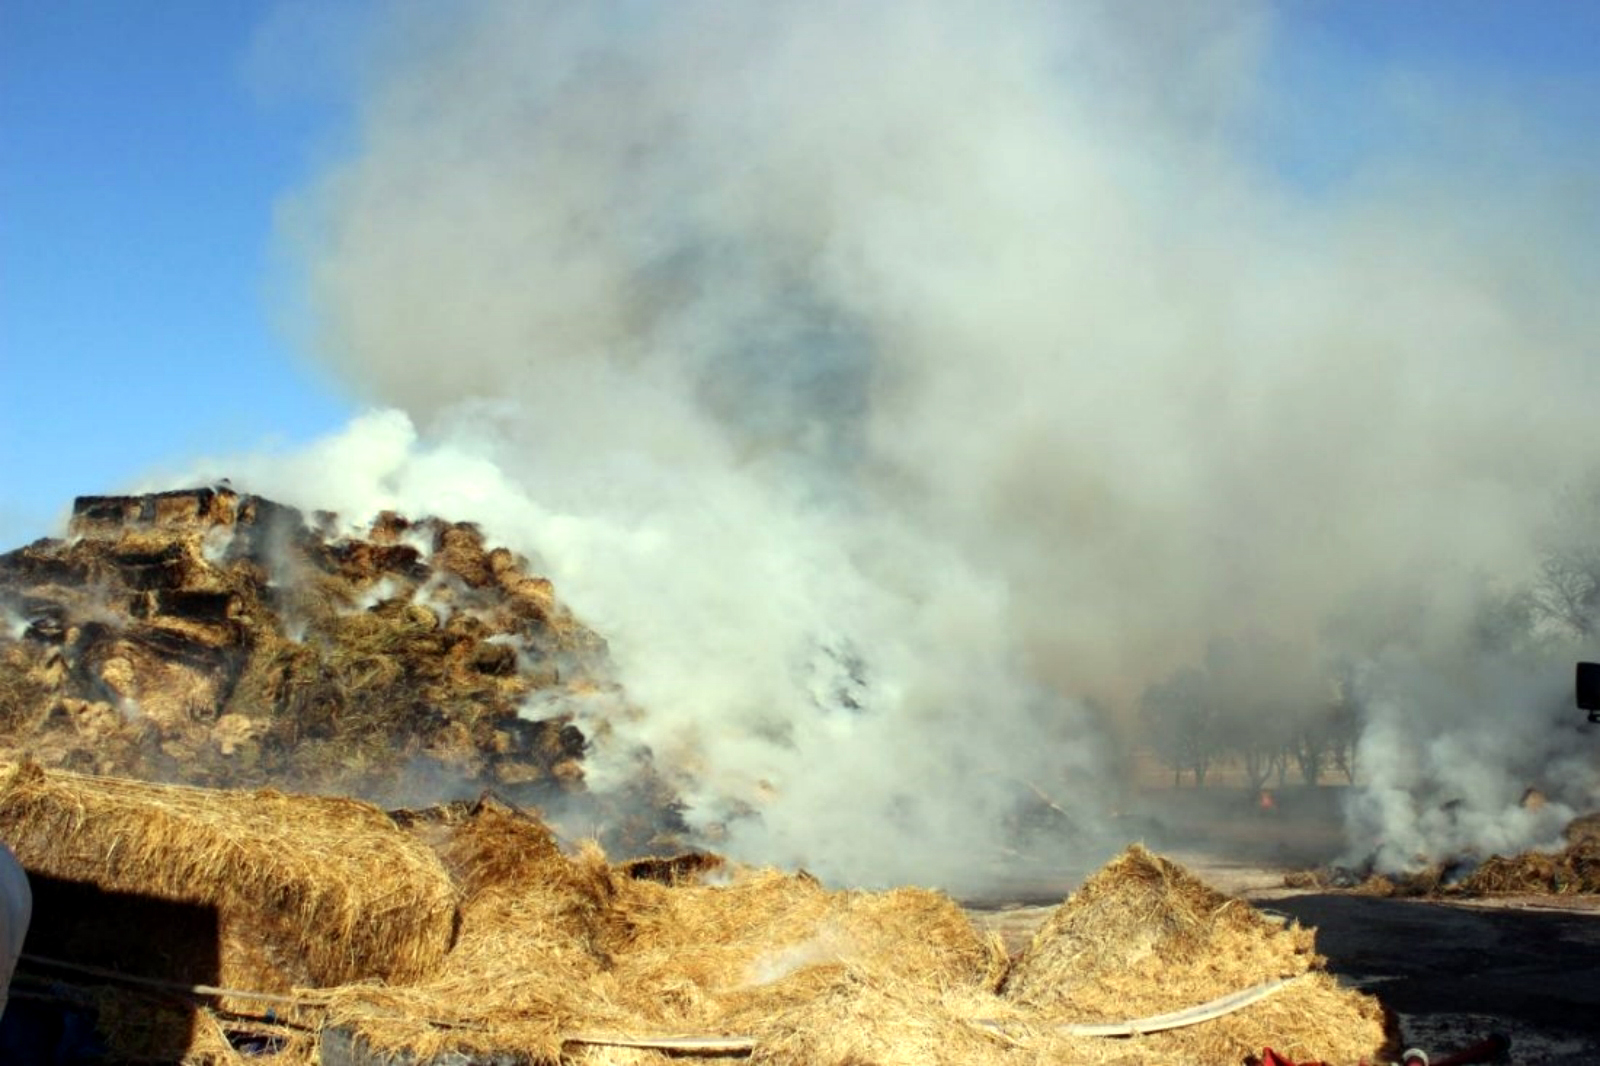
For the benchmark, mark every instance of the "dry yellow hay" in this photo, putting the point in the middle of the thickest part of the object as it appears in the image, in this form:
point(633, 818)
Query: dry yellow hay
point(1301, 1021)
point(729, 955)
point(306, 890)
point(1527, 873)
point(528, 965)
point(1572, 870)
point(1143, 936)
point(812, 976)
point(550, 947)
point(844, 1016)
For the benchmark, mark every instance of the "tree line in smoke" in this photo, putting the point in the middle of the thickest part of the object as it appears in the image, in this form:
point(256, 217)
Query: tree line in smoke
point(1262, 705)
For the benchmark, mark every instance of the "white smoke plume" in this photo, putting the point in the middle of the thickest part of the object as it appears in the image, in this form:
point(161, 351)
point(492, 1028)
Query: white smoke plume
point(881, 378)
point(1471, 743)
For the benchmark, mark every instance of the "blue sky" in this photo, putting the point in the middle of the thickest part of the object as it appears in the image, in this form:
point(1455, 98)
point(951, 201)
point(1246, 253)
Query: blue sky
point(143, 147)
point(140, 159)
point(1338, 67)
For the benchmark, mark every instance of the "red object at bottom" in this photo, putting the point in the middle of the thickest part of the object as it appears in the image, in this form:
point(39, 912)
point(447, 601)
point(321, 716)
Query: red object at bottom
point(1272, 1058)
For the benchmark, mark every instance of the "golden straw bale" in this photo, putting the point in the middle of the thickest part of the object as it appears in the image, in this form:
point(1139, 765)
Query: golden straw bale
point(493, 843)
point(925, 935)
point(528, 965)
point(515, 882)
point(307, 890)
point(549, 946)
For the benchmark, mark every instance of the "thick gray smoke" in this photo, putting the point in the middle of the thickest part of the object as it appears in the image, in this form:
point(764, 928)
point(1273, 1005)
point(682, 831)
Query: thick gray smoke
point(1450, 749)
point(880, 378)
point(1471, 743)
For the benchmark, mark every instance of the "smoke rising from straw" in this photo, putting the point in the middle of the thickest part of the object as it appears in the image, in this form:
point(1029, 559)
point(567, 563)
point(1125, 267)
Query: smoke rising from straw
point(956, 361)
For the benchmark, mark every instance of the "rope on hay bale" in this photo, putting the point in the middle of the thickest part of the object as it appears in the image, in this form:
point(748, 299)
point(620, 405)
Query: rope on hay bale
point(183, 987)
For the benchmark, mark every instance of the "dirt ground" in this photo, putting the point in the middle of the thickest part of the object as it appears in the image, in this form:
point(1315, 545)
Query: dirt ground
point(1452, 973)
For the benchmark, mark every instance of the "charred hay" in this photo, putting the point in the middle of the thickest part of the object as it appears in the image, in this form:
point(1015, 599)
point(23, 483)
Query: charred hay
point(1573, 870)
point(1583, 829)
point(215, 638)
point(1570, 870)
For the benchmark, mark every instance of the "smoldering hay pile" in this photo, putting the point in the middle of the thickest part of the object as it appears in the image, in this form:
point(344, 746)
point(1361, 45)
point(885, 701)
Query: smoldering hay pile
point(1572, 868)
point(476, 932)
point(210, 636)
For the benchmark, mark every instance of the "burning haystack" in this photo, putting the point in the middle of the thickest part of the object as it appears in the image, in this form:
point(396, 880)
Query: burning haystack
point(470, 930)
point(1572, 869)
point(215, 638)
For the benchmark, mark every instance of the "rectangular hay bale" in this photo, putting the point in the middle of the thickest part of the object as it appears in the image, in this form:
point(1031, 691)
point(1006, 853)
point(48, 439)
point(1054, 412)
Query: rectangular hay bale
point(306, 890)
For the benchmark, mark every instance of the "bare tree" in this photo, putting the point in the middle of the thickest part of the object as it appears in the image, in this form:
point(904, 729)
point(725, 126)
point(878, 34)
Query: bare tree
point(1257, 761)
point(1180, 724)
point(1568, 589)
point(1343, 720)
point(1310, 749)
point(1255, 690)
